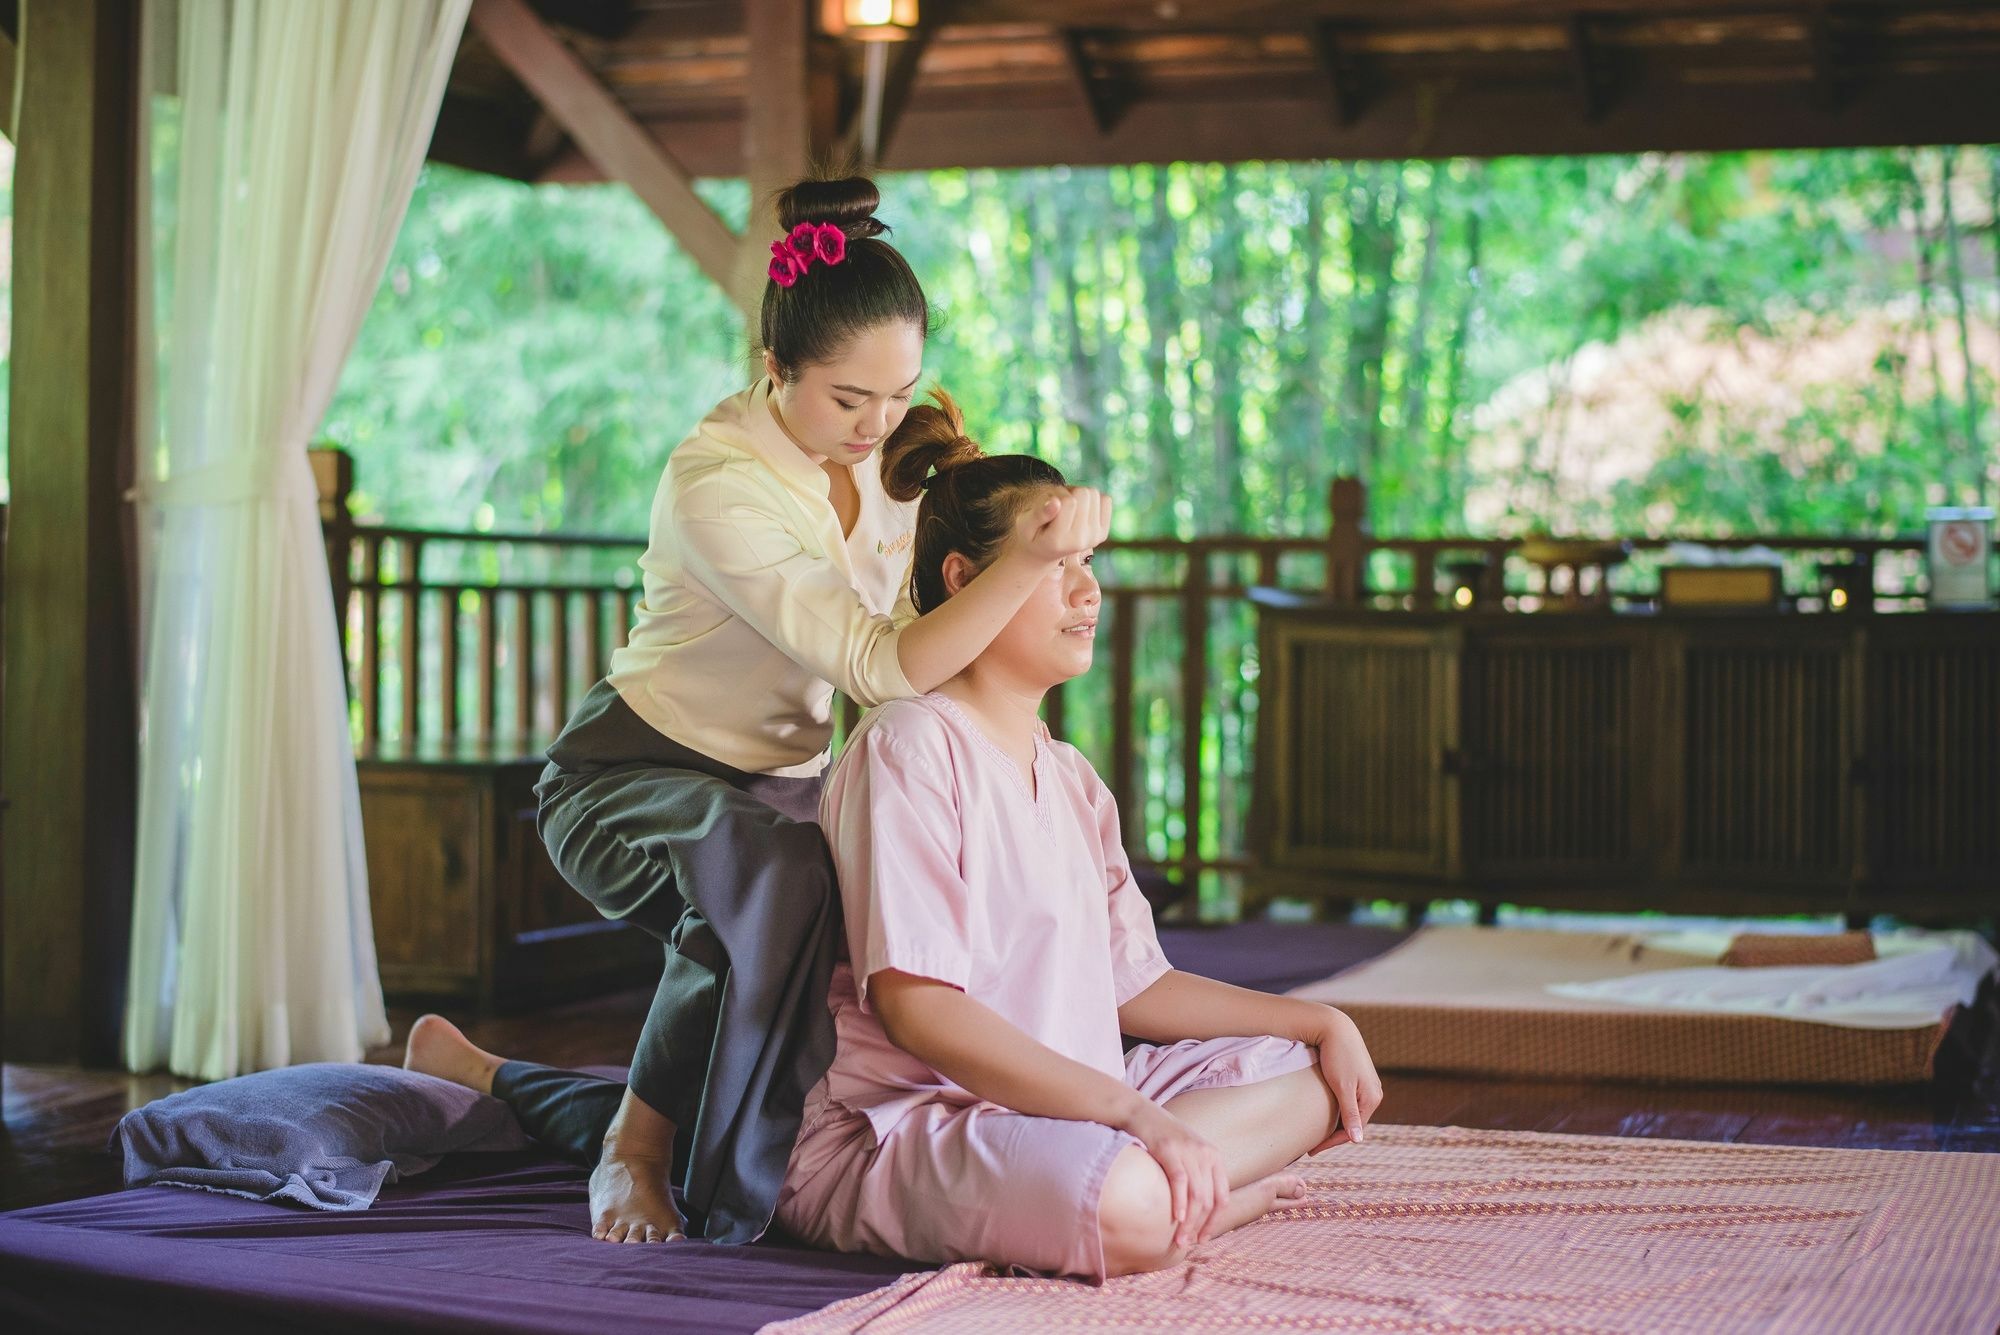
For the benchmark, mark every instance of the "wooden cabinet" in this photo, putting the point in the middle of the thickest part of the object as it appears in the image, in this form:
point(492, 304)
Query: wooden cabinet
point(466, 903)
point(428, 847)
point(1377, 803)
point(1552, 730)
point(1930, 761)
point(1762, 726)
point(1693, 763)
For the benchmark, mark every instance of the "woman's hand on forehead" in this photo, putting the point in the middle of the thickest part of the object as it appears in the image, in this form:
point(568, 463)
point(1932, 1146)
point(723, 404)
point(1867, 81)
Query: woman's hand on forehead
point(1063, 526)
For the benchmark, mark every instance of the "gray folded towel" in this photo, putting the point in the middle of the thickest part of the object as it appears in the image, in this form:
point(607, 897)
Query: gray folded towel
point(328, 1135)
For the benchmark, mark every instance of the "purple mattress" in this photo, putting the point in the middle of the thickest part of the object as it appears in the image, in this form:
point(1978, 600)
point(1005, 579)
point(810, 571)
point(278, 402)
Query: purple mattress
point(483, 1241)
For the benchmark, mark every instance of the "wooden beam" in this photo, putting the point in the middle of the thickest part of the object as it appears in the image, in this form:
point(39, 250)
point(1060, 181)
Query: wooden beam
point(904, 59)
point(902, 82)
point(1293, 14)
point(606, 131)
point(988, 65)
point(1433, 119)
point(68, 741)
point(1833, 37)
point(1101, 93)
point(606, 20)
point(1346, 78)
point(1590, 69)
point(687, 21)
point(484, 136)
point(542, 142)
point(708, 21)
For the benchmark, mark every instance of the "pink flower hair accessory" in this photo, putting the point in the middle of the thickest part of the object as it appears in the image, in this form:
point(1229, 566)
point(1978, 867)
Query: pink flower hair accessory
point(806, 244)
point(829, 244)
point(785, 266)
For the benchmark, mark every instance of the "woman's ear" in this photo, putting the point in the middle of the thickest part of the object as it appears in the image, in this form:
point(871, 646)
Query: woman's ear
point(772, 369)
point(958, 572)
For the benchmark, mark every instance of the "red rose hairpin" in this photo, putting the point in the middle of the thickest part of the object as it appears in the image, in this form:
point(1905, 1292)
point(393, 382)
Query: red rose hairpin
point(793, 254)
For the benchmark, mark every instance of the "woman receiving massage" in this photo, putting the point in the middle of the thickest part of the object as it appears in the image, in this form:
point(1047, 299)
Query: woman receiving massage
point(980, 1105)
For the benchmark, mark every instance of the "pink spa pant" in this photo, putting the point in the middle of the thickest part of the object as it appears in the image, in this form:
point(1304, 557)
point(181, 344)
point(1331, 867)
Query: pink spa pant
point(976, 1182)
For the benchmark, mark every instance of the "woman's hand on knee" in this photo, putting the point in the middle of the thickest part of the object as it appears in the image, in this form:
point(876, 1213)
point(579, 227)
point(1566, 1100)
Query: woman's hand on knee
point(1350, 1075)
point(1197, 1181)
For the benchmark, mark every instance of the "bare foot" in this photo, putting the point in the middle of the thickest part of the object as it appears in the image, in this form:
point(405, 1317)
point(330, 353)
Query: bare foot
point(1256, 1199)
point(629, 1199)
point(438, 1048)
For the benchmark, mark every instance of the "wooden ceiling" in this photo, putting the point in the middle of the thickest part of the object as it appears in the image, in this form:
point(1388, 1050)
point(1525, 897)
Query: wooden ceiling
point(1015, 83)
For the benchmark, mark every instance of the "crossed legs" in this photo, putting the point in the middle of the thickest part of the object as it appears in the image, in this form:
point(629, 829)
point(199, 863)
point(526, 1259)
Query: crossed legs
point(1261, 1129)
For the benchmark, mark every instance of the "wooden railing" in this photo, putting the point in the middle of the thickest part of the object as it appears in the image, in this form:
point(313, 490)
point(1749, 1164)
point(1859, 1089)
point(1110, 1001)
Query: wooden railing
point(464, 644)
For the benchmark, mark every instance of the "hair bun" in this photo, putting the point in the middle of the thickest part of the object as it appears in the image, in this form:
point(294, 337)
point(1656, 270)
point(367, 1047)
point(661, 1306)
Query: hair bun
point(848, 202)
point(929, 442)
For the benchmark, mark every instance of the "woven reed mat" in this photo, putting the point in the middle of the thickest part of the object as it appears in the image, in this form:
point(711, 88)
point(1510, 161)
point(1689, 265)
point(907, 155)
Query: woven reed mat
point(1765, 950)
point(1473, 1001)
point(1444, 1229)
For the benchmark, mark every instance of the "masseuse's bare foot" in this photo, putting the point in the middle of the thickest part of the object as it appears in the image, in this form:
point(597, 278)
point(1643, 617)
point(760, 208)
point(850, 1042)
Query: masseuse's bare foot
point(629, 1200)
point(629, 1196)
point(437, 1047)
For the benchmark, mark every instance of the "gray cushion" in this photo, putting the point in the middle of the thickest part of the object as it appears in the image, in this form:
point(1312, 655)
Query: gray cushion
point(327, 1135)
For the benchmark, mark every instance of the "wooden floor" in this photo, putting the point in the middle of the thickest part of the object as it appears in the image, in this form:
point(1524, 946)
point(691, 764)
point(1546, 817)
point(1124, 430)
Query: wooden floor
point(58, 1118)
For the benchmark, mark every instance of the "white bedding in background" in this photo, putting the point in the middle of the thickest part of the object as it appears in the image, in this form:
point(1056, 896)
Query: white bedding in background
point(1914, 980)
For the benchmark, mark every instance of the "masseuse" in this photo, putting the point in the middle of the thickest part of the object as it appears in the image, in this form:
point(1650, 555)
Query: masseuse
point(682, 796)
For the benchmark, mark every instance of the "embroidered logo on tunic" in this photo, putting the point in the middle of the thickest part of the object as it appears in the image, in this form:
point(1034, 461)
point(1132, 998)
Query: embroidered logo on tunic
point(895, 546)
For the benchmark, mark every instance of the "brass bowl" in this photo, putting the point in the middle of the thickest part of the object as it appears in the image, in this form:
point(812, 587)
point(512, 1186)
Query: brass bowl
point(1574, 551)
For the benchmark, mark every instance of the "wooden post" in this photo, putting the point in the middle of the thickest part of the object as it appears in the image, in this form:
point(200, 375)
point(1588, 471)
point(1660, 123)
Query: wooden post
point(7, 54)
point(370, 657)
point(1125, 778)
point(487, 707)
point(410, 651)
point(448, 632)
point(1347, 540)
point(776, 141)
point(1493, 579)
point(593, 634)
point(333, 478)
point(1862, 595)
point(68, 745)
point(1423, 579)
point(559, 647)
point(523, 654)
point(1194, 700)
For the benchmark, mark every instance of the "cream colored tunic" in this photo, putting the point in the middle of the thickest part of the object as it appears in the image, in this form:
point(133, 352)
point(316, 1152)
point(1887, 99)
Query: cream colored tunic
point(754, 607)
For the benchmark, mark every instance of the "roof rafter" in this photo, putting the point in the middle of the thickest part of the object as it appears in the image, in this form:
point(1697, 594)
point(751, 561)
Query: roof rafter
point(1104, 93)
point(1347, 76)
point(605, 130)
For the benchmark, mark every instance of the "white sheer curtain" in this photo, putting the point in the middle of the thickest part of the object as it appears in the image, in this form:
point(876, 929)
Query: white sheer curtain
point(300, 128)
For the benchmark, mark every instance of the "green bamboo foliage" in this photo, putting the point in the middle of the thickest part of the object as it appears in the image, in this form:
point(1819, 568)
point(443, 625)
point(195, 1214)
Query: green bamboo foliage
point(1214, 344)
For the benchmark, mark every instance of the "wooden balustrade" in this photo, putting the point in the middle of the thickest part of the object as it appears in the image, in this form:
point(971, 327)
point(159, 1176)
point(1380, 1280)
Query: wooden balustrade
point(463, 643)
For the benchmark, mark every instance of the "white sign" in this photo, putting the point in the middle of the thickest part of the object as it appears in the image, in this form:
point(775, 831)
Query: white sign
point(1960, 554)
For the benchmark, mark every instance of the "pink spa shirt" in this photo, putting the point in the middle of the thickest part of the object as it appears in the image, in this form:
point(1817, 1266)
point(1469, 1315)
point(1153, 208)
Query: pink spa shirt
point(950, 869)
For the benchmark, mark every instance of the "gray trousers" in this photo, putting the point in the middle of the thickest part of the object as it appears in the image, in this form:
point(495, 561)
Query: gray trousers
point(729, 871)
